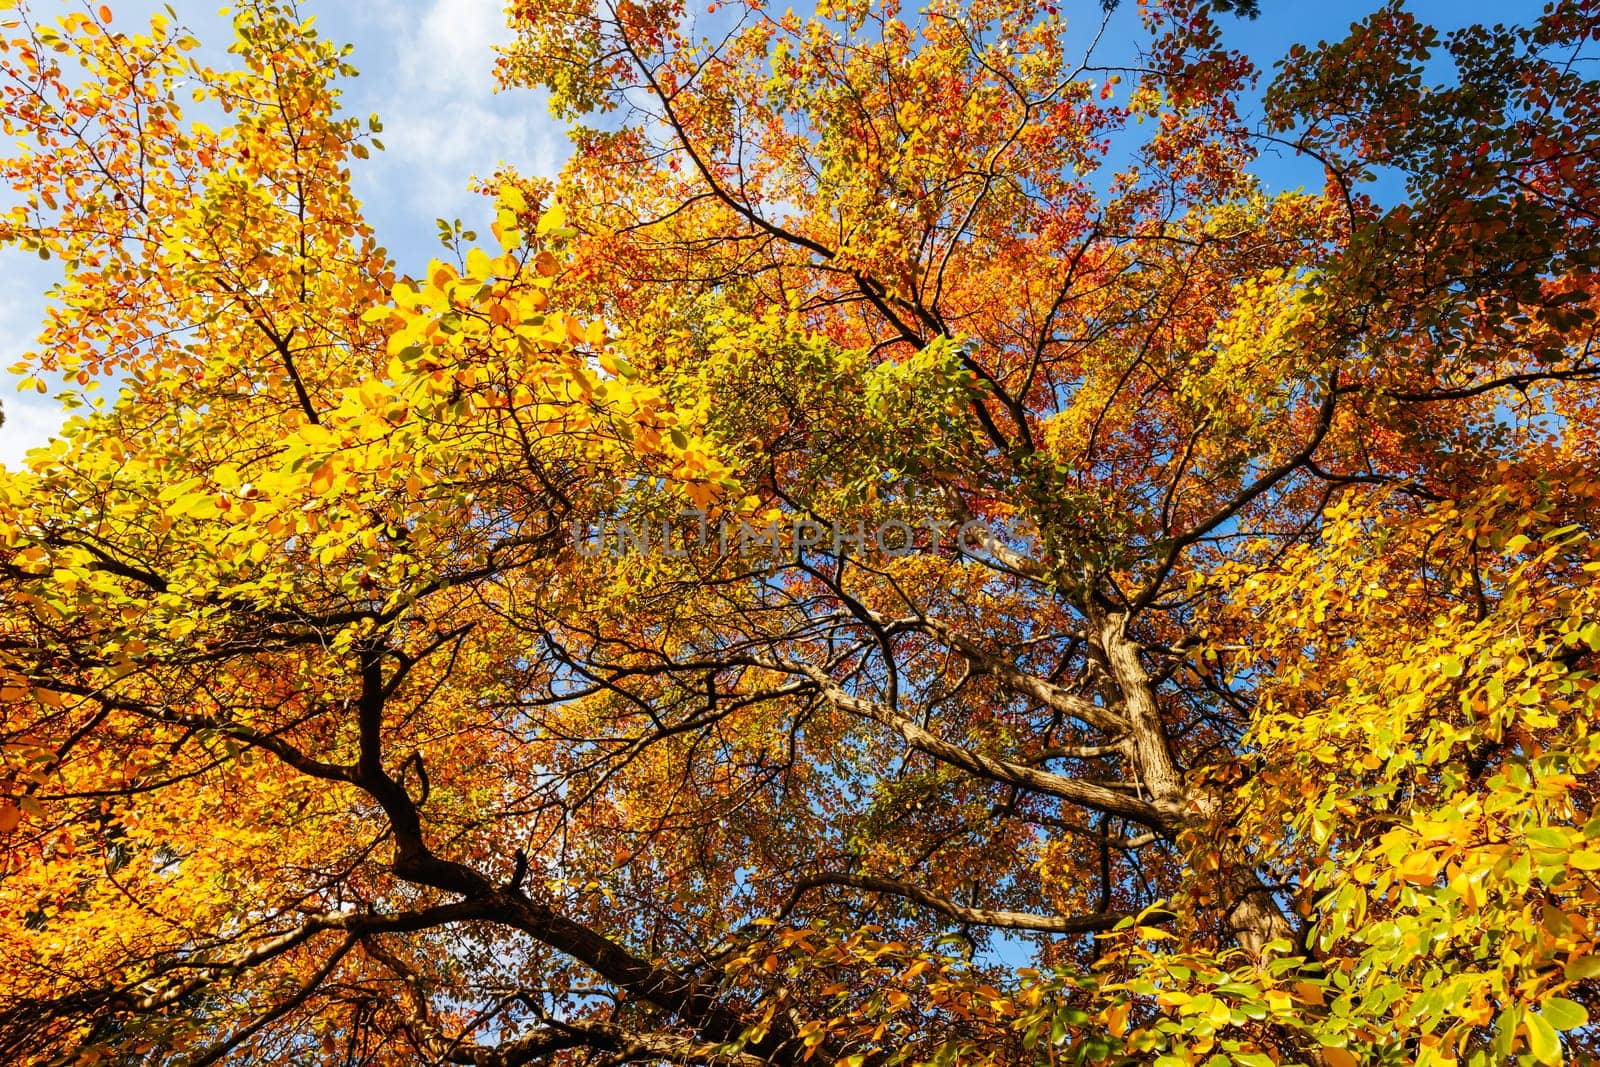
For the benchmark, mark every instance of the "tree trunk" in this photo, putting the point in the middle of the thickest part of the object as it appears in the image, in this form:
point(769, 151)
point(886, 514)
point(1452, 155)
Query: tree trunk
point(1253, 914)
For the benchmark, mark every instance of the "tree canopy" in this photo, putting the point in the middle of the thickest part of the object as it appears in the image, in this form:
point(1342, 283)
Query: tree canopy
point(907, 552)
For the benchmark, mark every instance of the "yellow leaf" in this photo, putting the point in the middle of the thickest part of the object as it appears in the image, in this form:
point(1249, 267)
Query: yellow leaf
point(553, 219)
point(1419, 867)
point(505, 230)
point(511, 198)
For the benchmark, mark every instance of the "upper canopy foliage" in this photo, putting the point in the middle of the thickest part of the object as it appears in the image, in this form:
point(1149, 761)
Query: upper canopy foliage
point(1222, 690)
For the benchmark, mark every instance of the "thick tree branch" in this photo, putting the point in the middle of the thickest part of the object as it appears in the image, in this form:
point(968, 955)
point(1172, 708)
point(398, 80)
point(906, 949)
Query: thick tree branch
point(1164, 818)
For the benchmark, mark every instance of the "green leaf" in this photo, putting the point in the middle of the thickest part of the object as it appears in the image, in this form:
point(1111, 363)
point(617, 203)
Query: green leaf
point(1543, 1041)
point(1590, 635)
point(1564, 1014)
point(1583, 967)
point(1549, 837)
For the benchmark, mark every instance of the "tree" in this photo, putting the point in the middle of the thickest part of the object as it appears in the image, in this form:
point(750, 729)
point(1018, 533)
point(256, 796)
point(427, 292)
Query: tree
point(906, 553)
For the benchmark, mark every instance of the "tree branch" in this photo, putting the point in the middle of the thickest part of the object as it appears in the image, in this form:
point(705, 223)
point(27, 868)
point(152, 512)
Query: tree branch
point(1004, 920)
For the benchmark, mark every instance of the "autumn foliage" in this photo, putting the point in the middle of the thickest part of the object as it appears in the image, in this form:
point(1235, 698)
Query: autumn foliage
point(1228, 696)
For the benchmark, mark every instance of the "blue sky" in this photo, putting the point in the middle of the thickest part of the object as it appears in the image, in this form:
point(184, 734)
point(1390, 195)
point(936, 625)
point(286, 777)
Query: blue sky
point(426, 70)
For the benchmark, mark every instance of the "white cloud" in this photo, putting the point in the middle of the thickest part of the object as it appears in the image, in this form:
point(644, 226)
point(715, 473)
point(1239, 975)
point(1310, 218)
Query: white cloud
point(31, 420)
point(30, 417)
point(431, 78)
point(454, 44)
